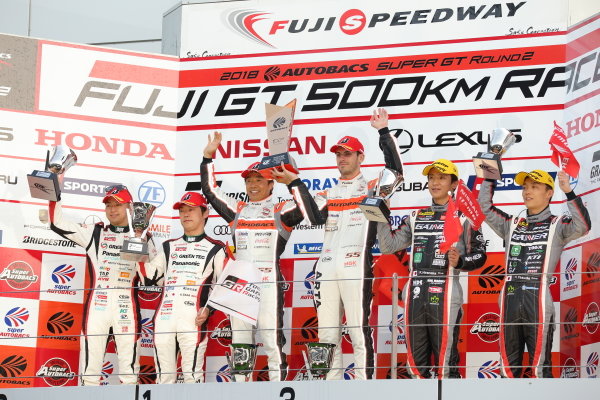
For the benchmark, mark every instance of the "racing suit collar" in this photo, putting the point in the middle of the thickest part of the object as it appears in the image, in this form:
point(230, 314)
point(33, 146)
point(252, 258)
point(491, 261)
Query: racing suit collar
point(541, 216)
point(438, 208)
point(118, 229)
point(351, 180)
point(191, 239)
point(267, 199)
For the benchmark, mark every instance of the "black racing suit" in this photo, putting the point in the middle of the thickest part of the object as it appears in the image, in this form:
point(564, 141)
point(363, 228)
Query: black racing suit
point(533, 247)
point(433, 295)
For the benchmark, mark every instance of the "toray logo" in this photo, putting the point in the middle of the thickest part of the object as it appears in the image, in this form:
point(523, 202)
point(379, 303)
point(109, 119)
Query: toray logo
point(224, 374)
point(63, 274)
point(592, 365)
point(16, 317)
point(152, 192)
point(489, 370)
point(571, 269)
point(349, 373)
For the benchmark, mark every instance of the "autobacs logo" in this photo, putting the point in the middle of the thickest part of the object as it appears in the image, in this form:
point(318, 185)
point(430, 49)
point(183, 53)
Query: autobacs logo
point(56, 372)
point(60, 322)
point(222, 333)
point(16, 317)
point(489, 370)
point(12, 366)
point(487, 327)
point(18, 275)
point(570, 369)
point(591, 318)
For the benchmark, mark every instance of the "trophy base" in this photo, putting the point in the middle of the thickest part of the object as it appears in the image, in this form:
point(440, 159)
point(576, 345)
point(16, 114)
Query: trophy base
point(44, 185)
point(274, 161)
point(488, 166)
point(375, 209)
point(134, 250)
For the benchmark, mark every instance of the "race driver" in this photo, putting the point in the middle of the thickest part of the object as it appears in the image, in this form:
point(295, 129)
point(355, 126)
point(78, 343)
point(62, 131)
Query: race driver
point(188, 266)
point(534, 241)
point(344, 271)
point(260, 230)
point(433, 295)
point(112, 306)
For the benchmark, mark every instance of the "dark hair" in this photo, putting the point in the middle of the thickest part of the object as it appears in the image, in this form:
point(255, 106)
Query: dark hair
point(454, 178)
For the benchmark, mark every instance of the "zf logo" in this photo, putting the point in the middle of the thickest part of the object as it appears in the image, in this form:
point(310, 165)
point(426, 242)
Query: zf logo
point(152, 192)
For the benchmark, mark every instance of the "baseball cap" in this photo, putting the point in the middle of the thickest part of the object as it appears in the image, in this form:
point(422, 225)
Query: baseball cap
point(442, 165)
point(537, 175)
point(251, 168)
point(119, 193)
point(349, 143)
point(191, 199)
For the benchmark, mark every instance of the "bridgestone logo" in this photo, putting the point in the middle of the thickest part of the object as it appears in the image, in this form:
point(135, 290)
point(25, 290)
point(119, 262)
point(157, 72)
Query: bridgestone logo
point(49, 242)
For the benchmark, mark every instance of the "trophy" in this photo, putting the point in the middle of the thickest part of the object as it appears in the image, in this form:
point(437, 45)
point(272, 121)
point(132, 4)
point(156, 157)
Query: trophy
point(320, 356)
point(279, 130)
point(241, 362)
point(45, 184)
point(374, 207)
point(136, 248)
point(487, 164)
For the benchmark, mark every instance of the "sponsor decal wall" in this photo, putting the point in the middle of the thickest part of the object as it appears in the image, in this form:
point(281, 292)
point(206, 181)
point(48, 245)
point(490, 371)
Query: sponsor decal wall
point(143, 120)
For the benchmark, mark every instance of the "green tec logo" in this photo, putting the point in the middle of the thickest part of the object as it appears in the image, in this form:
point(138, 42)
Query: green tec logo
point(418, 257)
point(515, 250)
point(434, 299)
point(510, 289)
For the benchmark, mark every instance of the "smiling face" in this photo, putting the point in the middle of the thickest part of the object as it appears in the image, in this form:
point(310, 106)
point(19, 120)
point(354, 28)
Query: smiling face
point(192, 219)
point(257, 187)
point(439, 186)
point(536, 195)
point(348, 162)
point(116, 212)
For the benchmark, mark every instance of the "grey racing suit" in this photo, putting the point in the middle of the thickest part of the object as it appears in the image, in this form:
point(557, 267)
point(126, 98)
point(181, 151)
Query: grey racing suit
point(112, 306)
point(533, 247)
point(344, 270)
point(433, 295)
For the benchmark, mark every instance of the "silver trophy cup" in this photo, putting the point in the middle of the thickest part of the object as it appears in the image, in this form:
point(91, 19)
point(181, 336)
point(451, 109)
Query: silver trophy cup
point(374, 207)
point(320, 357)
point(46, 184)
point(242, 359)
point(488, 164)
point(136, 248)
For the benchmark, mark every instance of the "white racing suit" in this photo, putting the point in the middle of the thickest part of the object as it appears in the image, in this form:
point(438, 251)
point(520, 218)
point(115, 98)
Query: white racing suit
point(260, 232)
point(189, 266)
point(112, 306)
point(344, 271)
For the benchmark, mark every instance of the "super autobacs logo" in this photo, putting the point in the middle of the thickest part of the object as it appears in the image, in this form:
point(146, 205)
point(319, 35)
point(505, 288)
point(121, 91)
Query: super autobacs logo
point(18, 275)
point(56, 372)
point(261, 27)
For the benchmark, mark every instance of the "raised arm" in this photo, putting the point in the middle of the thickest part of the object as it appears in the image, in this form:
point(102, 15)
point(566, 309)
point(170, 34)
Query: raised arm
point(224, 205)
point(79, 233)
point(387, 142)
point(578, 223)
point(393, 241)
point(497, 219)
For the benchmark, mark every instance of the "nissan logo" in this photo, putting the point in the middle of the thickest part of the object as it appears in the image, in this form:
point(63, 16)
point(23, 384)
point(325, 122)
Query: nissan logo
point(222, 230)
